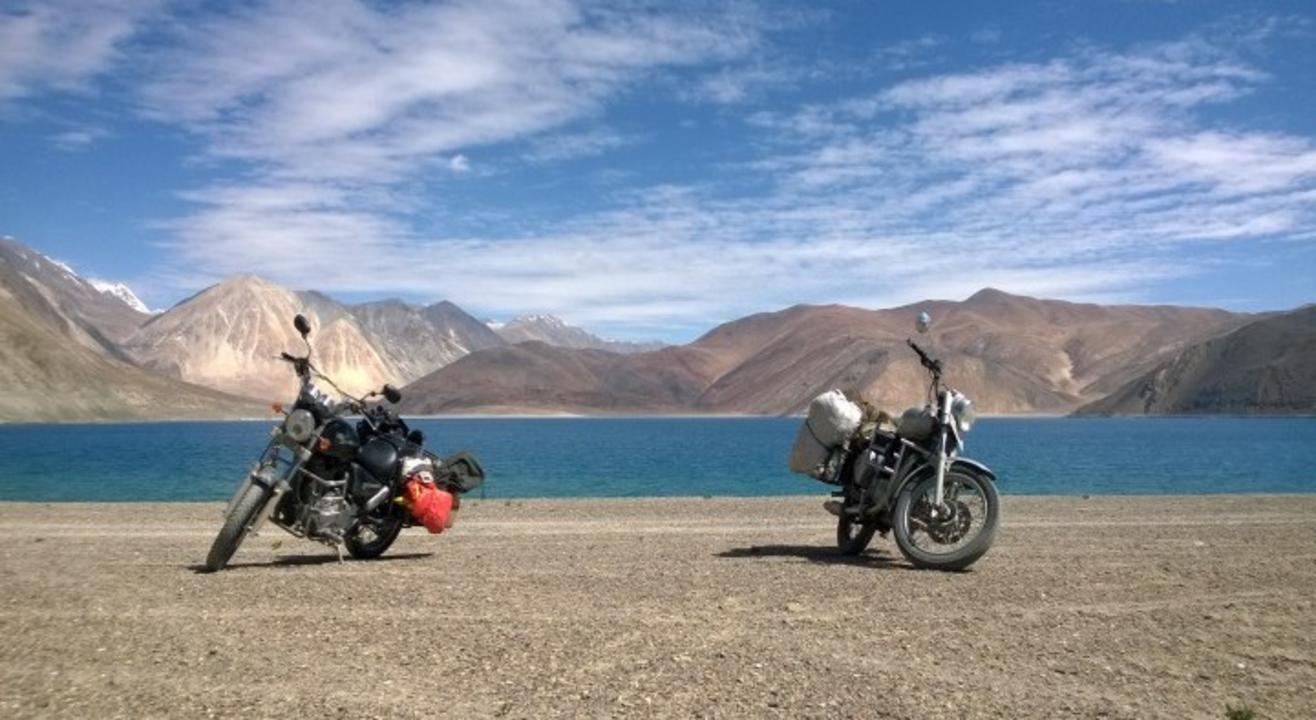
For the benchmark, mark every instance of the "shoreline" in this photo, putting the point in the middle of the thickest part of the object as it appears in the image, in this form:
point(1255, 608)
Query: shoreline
point(659, 416)
point(821, 493)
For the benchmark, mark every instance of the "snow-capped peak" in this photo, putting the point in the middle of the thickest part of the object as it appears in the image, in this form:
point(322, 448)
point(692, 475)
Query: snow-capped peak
point(494, 324)
point(549, 320)
point(122, 292)
point(62, 266)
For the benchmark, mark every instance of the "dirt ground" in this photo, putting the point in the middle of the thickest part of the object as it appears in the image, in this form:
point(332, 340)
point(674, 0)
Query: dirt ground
point(1103, 607)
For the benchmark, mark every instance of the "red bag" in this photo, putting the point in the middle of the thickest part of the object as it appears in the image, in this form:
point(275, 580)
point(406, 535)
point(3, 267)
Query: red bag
point(429, 505)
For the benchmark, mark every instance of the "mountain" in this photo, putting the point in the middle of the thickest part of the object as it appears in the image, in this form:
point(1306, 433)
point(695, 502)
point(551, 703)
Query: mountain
point(122, 293)
point(554, 331)
point(229, 336)
point(1265, 367)
point(538, 377)
point(1011, 354)
point(96, 315)
point(54, 368)
point(418, 340)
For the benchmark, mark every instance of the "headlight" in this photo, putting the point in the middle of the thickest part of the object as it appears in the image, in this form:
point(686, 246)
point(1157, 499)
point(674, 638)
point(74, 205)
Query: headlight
point(299, 426)
point(963, 412)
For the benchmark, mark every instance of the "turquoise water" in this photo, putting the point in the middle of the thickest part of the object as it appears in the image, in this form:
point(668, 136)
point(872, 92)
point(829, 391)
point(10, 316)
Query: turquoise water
point(625, 457)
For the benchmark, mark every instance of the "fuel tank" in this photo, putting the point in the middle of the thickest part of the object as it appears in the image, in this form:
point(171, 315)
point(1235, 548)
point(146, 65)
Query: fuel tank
point(379, 457)
point(916, 424)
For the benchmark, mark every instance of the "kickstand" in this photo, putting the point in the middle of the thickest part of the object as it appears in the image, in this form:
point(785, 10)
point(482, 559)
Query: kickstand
point(339, 548)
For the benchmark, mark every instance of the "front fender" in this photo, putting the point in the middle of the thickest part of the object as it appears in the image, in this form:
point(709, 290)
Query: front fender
point(973, 466)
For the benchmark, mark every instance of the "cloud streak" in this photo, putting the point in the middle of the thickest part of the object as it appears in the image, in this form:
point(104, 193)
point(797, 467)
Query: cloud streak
point(1097, 173)
point(63, 44)
point(1085, 176)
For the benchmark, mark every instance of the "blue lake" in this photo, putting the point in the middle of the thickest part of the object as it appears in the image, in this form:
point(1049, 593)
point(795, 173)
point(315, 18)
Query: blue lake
point(626, 457)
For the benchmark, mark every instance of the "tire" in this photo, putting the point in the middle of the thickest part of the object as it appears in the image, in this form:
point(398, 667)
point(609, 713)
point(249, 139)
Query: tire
point(962, 557)
point(852, 536)
point(236, 525)
point(373, 549)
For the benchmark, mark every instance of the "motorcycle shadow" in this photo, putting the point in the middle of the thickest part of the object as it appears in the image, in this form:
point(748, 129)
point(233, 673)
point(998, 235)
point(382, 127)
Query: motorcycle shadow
point(302, 560)
point(819, 554)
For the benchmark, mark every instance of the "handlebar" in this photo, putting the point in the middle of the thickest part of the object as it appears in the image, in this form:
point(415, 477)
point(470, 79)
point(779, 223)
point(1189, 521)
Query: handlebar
point(928, 361)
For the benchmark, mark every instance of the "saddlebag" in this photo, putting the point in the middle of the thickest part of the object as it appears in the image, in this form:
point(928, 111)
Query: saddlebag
point(428, 505)
point(459, 472)
point(832, 419)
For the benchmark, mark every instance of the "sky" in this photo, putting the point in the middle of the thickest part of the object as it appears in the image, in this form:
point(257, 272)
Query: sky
point(649, 170)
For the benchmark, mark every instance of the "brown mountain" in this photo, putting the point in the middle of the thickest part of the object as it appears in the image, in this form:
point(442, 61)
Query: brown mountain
point(1265, 367)
point(229, 336)
point(1011, 354)
point(555, 331)
point(51, 372)
point(415, 340)
point(95, 319)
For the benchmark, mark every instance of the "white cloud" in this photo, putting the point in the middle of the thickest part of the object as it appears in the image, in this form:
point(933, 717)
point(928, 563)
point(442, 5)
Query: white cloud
point(567, 145)
point(78, 139)
point(1091, 175)
point(62, 44)
point(345, 90)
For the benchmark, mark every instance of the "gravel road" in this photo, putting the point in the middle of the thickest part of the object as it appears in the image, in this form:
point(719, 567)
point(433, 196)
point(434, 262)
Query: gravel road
point(1103, 607)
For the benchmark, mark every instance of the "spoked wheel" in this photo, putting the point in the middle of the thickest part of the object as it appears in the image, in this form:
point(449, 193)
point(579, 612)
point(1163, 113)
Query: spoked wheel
point(955, 535)
point(371, 537)
point(853, 536)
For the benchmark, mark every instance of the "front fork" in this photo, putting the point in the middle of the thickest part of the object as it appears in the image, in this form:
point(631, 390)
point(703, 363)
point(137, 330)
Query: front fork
point(266, 474)
point(945, 421)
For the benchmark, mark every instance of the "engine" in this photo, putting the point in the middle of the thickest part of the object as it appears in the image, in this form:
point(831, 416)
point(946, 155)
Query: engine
point(329, 517)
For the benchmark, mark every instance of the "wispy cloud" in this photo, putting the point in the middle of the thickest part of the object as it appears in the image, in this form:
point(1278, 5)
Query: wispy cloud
point(62, 44)
point(1095, 173)
point(1087, 176)
point(345, 90)
point(556, 146)
point(78, 139)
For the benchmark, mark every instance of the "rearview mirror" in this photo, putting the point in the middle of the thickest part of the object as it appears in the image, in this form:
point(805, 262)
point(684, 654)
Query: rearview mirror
point(302, 325)
point(392, 394)
point(923, 323)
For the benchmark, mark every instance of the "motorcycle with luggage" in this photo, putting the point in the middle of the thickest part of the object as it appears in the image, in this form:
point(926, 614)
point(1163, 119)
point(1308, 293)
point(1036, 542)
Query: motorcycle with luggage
point(344, 472)
point(911, 479)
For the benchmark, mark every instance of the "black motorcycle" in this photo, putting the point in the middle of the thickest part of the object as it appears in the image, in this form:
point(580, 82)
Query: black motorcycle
point(339, 482)
point(942, 507)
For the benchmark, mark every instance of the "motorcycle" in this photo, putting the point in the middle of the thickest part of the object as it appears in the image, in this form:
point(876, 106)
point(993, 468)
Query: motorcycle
point(351, 486)
point(942, 507)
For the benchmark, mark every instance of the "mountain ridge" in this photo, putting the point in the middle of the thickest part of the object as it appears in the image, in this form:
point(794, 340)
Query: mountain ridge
point(1012, 354)
point(1264, 367)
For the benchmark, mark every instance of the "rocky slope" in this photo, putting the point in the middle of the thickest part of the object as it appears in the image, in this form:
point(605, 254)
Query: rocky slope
point(555, 331)
point(418, 340)
point(1011, 354)
point(52, 372)
point(1265, 367)
point(96, 315)
point(229, 336)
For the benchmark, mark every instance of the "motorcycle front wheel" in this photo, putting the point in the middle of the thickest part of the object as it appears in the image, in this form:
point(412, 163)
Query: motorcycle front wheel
point(956, 535)
point(236, 524)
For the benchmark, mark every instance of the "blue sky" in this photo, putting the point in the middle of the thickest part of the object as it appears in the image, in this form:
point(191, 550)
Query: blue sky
point(650, 170)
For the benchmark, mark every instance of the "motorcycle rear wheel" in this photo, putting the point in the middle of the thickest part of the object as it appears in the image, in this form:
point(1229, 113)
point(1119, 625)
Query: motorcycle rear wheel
point(961, 557)
point(852, 536)
point(236, 525)
point(385, 531)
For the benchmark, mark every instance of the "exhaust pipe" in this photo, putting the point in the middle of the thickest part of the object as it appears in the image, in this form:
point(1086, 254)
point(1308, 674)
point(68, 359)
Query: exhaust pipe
point(378, 498)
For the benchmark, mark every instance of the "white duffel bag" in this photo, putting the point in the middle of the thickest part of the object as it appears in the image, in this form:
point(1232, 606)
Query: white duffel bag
point(832, 419)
